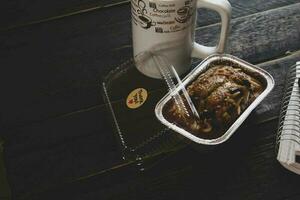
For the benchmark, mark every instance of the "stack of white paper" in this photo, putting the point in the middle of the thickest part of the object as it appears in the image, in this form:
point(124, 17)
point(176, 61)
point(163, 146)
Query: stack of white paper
point(289, 136)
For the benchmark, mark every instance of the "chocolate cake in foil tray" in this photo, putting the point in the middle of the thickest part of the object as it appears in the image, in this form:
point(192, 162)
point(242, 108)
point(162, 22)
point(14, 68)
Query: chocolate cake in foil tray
point(224, 90)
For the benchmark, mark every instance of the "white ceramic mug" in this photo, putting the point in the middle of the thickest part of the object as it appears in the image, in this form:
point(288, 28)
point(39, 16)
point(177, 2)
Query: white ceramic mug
point(168, 26)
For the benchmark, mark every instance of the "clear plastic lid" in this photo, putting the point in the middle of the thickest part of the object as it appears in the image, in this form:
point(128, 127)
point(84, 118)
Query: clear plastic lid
point(131, 98)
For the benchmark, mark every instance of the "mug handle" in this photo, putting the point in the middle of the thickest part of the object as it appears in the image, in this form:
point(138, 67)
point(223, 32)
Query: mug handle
point(223, 7)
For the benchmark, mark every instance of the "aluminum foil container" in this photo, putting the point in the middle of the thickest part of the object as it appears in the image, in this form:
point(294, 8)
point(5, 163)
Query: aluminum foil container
point(263, 76)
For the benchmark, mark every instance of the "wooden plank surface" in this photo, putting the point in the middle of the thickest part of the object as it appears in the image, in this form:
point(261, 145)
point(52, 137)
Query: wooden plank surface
point(53, 69)
point(18, 13)
point(242, 8)
point(261, 36)
point(4, 186)
point(252, 172)
point(15, 13)
point(48, 88)
point(61, 145)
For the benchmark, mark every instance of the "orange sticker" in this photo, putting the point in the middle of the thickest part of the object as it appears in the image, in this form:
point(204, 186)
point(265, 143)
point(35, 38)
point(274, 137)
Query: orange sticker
point(136, 98)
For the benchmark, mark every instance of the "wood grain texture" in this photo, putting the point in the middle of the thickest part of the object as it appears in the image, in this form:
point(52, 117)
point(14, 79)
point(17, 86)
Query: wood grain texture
point(61, 149)
point(264, 34)
point(47, 53)
point(4, 186)
point(18, 13)
point(242, 8)
point(277, 68)
point(53, 69)
point(252, 172)
point(66, 158)
point(59, 65)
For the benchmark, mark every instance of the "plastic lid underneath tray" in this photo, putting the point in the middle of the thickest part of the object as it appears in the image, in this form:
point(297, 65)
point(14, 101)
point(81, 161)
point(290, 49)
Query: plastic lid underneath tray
point(131, 98)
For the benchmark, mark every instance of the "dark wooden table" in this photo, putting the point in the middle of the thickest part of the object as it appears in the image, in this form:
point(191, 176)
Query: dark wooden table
point(58, 139)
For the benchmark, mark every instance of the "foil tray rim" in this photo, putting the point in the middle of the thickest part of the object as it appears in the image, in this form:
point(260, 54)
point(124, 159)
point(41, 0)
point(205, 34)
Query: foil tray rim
point(203, 66)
